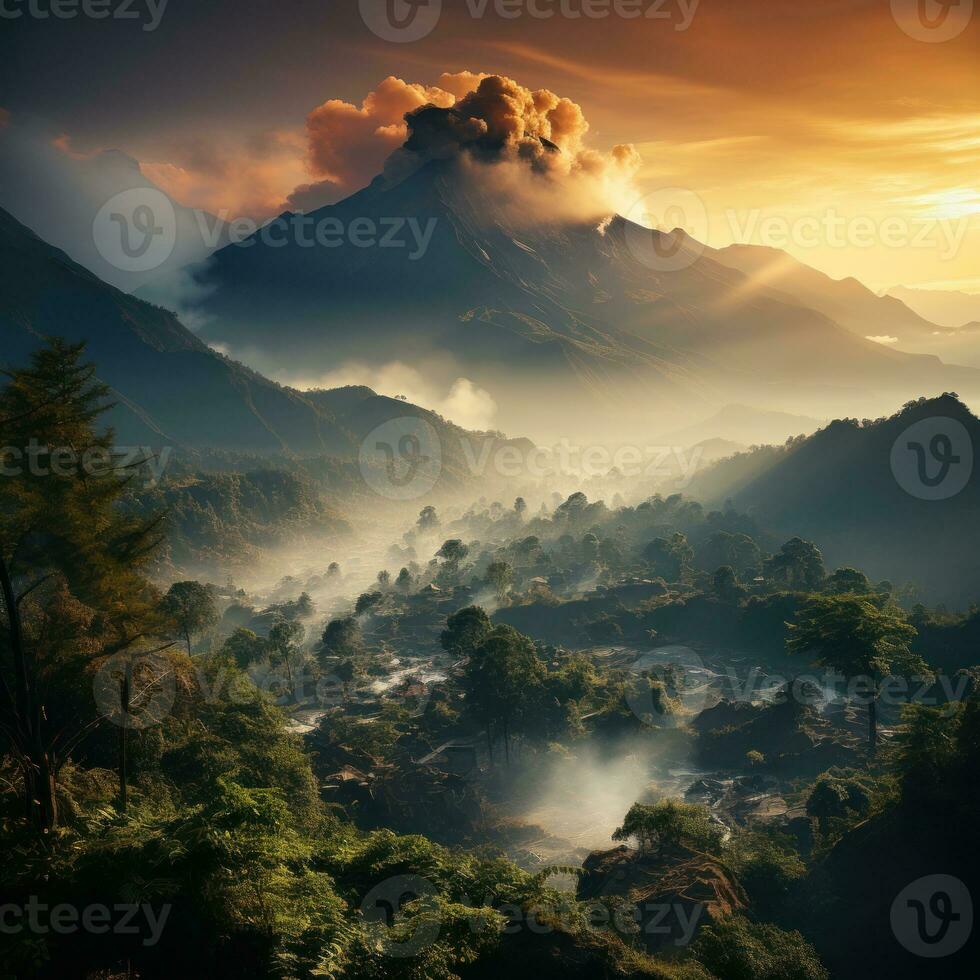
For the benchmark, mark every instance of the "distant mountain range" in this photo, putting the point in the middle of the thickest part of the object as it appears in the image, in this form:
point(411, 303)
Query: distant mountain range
point(946, 308)
point(565, 325)
point(170, 388)
point(741, 426)
point(58, 193)
point(838, 488)
point(845, 301)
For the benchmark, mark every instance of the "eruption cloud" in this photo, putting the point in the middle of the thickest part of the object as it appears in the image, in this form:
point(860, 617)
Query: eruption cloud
point(524, 147)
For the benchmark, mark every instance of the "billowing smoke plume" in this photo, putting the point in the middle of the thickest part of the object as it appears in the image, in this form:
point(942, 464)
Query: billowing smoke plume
point(348, 144)
point(525, 147)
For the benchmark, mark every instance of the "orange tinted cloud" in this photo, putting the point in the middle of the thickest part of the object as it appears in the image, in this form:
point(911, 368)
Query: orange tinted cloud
point(250, 177)
point(347, 141)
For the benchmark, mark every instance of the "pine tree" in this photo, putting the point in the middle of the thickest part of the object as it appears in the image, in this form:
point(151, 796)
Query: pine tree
point(70, 580)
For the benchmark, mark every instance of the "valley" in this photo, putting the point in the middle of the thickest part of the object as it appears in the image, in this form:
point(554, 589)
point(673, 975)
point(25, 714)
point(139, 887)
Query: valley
point(442, 540)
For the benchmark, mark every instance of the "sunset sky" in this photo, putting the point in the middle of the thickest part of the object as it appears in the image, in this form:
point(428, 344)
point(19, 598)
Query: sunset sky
point(859, 141)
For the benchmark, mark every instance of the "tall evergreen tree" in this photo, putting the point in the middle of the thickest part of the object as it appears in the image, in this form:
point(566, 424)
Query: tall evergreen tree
point(70, 557)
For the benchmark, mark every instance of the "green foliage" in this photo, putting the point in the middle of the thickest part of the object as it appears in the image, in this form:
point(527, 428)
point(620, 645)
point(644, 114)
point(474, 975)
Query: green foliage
point(501, 682)
point(500, 577)
point(726, 585)
point(736, 949)
point(452, 553)
point(72, 589)
point(190, 607)
point(847, 580)
point(375, 739)
point(245, 648)
point(465, 631)
point(341, 638)
point(797, 565)
point(837, 797)
point(768, 867)
point(214, 517)
point(859, 638)
point(428, 519)
point(285, 636)
point(366, 602)
point(670, 822)
point(669, 557)
point(936, 756)
point(737, 551)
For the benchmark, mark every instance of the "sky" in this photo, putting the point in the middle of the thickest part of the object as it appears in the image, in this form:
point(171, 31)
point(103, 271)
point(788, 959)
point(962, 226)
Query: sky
point(847, 133)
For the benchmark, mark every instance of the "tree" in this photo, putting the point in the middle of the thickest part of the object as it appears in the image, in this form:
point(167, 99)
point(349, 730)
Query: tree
point(404, 582)
point(341, 638)
point(500, 576)
point(670, 557)
point(384, 578)
point(366, 602)
point(285, 637)
point(528, 550)
point(848, 580)
point(723, 548)
point(452, 553)
point(837, 794)
point(190, 606)
point(610, 552)
point(573, 508)
point(590, 547)
point(852, 635)
point(501, 682)
point(465, 631)
point(520, 507)
point(726, 586)
point(798, 565)
point(71, 580)
point(345, 672)
point(827, 799)
point(245, 647)
point(428, 519)
point(670, 822)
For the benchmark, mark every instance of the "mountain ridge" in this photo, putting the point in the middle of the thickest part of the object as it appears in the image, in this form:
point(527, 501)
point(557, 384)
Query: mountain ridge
point(168, 386)
point(838, 488)
point(571, 307)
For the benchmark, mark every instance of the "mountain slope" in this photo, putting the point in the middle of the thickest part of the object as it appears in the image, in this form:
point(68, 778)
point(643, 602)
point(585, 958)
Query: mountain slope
point(837, 487)
point(846, 301)
point(570, 312)
point(170, 386)
point(744, 424)
point(945, 308)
